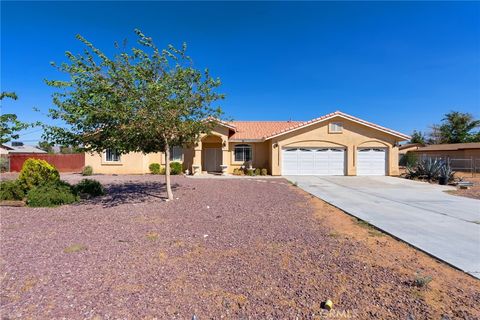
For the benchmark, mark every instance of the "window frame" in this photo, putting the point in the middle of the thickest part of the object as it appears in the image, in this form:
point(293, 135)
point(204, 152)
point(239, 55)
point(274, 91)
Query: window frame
point(172, 154)
point(337, 125)
point(113, 153)
point(244, 147)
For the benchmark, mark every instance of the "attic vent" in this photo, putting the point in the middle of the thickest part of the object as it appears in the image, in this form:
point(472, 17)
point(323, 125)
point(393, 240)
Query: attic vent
point(17, 143)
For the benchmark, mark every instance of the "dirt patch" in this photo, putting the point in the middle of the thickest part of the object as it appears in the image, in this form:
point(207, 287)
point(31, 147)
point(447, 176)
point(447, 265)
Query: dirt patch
point(225, 249)
point(471, 192)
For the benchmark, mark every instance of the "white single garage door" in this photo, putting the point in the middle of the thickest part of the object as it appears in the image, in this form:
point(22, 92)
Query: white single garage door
point(371, 161)
point(313, 161)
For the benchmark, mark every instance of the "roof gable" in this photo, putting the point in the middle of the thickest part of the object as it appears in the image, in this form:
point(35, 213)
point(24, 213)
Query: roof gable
point(330, 116)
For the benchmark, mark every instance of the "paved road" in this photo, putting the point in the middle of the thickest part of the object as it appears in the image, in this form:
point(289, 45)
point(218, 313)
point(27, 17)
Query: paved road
point(446, 226)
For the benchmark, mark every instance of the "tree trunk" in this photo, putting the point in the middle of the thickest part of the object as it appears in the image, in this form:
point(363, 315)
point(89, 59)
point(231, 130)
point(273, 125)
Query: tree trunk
point(167, 172)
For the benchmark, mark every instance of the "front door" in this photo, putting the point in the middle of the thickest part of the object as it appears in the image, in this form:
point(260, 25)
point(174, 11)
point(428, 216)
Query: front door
point(213, 159)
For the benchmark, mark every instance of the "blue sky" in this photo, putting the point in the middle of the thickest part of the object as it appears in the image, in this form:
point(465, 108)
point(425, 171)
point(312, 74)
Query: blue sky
point(401, 65)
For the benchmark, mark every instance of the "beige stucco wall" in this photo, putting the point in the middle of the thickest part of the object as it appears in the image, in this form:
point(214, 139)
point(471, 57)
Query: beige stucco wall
point(260, 154)
point(265, 154)
point(354, 135)
point(131, 163)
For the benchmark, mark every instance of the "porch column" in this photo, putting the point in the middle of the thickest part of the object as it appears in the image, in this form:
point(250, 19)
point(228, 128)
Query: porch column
point(225, 157)
point(197, 158)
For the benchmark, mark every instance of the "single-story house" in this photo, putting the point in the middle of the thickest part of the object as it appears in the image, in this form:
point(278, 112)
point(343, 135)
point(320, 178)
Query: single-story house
point(453, 150)
point(19, 148)
point(334, 144)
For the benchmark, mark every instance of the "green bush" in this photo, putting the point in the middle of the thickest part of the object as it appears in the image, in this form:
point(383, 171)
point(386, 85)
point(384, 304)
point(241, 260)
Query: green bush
point(154, 168)
point(89, 188)
point(408, 159)
point(250, 172)
point(175, 168)
point(4, 164)
point(257, 171)
point(87, 171)
point(51, 195)
point(264, 172)
point(238, 172)
point(37, 172)
point(11, 190)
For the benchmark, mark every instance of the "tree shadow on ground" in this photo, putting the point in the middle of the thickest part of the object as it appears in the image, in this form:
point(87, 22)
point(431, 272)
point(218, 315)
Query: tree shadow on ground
point(132, 192)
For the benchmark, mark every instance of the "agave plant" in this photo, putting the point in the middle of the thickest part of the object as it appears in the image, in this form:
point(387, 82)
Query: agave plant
point(429, 168)
point(446, 171)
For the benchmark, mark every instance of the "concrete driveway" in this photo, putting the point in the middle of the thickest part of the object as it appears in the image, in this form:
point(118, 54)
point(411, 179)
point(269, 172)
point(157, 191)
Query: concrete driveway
point(445, 226)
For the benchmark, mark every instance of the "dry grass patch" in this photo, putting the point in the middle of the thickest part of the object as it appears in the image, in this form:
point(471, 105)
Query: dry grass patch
point(75, 248)
point(152, 236)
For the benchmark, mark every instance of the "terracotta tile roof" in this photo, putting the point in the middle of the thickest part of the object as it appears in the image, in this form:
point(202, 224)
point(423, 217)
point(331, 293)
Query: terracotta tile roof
point(259, 129)
point(452, 146)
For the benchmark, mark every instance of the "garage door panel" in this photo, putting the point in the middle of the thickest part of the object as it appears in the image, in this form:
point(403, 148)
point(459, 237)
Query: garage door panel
point(290, 160)
point(313, 161)
point(371, 161)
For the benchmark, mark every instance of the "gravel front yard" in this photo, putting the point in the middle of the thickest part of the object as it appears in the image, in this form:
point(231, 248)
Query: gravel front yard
point(225, 248)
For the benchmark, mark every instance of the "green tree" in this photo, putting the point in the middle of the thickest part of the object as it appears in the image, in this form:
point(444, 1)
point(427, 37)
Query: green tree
point(9, 123)
point(140, 100)
point(46, 146)
point(418, 137)
point(458, 127)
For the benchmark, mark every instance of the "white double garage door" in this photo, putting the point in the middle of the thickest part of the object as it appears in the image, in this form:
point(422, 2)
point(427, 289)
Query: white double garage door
point(332, 161)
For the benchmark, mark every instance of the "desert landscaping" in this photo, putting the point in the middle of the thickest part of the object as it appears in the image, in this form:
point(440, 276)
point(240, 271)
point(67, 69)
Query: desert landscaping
point(255, 248)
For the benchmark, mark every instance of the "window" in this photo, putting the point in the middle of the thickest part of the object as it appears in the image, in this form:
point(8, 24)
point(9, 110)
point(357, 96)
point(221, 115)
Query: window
point(111, 155)
point(336, 127)
point(243, 153)
point(176, 153)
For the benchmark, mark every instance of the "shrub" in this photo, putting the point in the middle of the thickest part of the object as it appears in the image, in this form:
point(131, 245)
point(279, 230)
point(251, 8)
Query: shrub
point(257, 171)
point(87, 171)
point(11, 190)
point(4, 164)
point(51, 195)
point(89, 188)
point(238, 172)
point(175, 168)
point(421, 280)
point(37, 172)
point(263, 172)
point(154, 168)
point(250, 172)
point(408, 159)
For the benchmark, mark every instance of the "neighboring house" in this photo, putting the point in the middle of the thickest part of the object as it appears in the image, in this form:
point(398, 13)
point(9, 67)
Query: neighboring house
point(14, 149)
point(453, 150)
point(404, 148)
point(4, 149)
point(335, 144)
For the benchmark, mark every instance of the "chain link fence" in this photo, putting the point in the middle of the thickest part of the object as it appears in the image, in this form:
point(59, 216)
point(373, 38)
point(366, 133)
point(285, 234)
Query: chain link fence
point(458, 164)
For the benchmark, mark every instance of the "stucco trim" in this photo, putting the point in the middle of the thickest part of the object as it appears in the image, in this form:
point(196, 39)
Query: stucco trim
point(383, 144)
point(318, 143)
